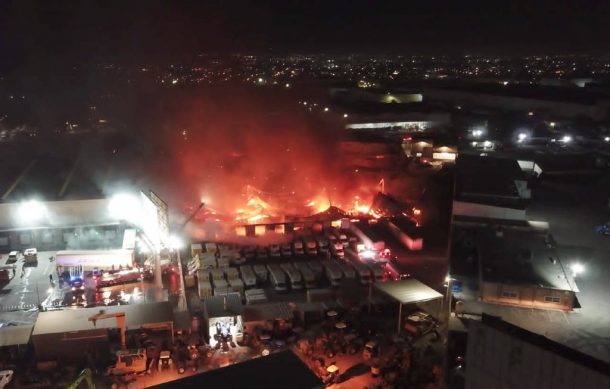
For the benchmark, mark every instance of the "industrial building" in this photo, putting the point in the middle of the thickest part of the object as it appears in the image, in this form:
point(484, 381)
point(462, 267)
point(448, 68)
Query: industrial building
point(55, 204)
point(374, 109)
point(521, 267)
point(555, 101)
point(502, 355)
point(490, 187)
point(66, 335)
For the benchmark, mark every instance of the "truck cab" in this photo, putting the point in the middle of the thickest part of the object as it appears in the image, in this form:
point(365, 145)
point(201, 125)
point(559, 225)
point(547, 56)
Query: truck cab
point(286, 250)
point(298, 247)
point(310, 247)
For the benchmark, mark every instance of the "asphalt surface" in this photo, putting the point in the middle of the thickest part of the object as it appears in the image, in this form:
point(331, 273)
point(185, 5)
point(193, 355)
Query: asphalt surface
point(31, 287)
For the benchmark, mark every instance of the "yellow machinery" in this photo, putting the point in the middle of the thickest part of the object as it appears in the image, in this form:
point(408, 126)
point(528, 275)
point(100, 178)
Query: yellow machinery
point(84, 375)
point(129, 362)
point(120, 322)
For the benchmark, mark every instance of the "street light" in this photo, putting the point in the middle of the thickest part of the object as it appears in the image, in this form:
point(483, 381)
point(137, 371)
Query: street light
point(577, 268)
point(31, 210)
point(175, 243)
point(125, 206)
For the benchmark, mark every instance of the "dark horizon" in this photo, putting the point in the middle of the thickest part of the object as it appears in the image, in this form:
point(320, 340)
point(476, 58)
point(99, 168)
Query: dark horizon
point(62, 32)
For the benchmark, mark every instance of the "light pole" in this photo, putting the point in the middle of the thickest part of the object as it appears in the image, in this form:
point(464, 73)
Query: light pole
point(176, 244)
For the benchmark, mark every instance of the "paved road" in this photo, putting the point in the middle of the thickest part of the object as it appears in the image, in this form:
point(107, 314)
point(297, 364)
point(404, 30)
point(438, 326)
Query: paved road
point(30, 285)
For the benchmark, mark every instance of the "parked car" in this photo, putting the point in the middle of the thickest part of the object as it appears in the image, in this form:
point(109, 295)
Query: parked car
point(13, 256)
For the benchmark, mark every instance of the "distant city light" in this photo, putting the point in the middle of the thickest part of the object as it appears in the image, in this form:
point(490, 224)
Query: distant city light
point(504, 83)
point(174, 81)
point(566, 139)
point(552, 124)
point(260, 80)
point(344, 115)
point(325, 109)
point(521, 137)
point(287, 85)
point(530, 113)
point(607, 139)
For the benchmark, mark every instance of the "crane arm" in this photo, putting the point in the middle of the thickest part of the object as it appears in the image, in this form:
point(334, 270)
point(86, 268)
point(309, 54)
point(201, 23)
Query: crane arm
point(188, 219)
point(84, 375)
point(120, 322)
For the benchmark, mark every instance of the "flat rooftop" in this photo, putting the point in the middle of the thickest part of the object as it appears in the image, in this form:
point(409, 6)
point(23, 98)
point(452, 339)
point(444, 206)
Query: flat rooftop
point(487, 179)
point(280, 370)
point(521, 256)
point(544, 343)
point(74, 320)
point(537, 92)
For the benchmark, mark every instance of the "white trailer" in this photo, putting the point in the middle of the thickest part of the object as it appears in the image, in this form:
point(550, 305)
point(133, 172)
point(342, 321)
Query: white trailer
point(90, 260)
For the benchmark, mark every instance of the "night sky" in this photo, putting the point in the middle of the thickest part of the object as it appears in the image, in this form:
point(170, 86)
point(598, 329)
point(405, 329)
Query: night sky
point(58, 30)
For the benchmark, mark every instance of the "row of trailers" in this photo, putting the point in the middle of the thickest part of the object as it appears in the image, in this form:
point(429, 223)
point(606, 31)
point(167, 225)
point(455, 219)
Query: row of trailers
point(286, 276)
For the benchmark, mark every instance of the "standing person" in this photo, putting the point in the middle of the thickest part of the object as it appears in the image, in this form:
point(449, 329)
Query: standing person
point(51, 278)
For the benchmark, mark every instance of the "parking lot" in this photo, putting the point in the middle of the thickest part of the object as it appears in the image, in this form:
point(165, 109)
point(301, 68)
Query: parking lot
point(30, 287)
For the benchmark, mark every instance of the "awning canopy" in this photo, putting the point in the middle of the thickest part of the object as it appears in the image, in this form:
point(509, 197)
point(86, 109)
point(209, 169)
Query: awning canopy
point(15, 335)
point(408, 291)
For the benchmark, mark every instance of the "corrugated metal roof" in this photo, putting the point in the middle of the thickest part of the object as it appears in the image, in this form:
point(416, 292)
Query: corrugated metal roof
point(408, 291)
point(270, 311)
point(15, 335)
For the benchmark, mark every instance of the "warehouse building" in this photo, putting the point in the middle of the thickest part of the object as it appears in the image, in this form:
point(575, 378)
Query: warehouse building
point(502, 355)
point(518, 263)
point(551, 100)
point(490, 187)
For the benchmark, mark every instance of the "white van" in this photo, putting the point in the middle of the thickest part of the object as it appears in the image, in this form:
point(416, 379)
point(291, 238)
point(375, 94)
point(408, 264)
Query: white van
point(364, 273)
point(277, 278)
point(333, 273)
point(296, 280)
point(309, 279)
point(247, 276)
point(348, 270)
point(261, 272)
